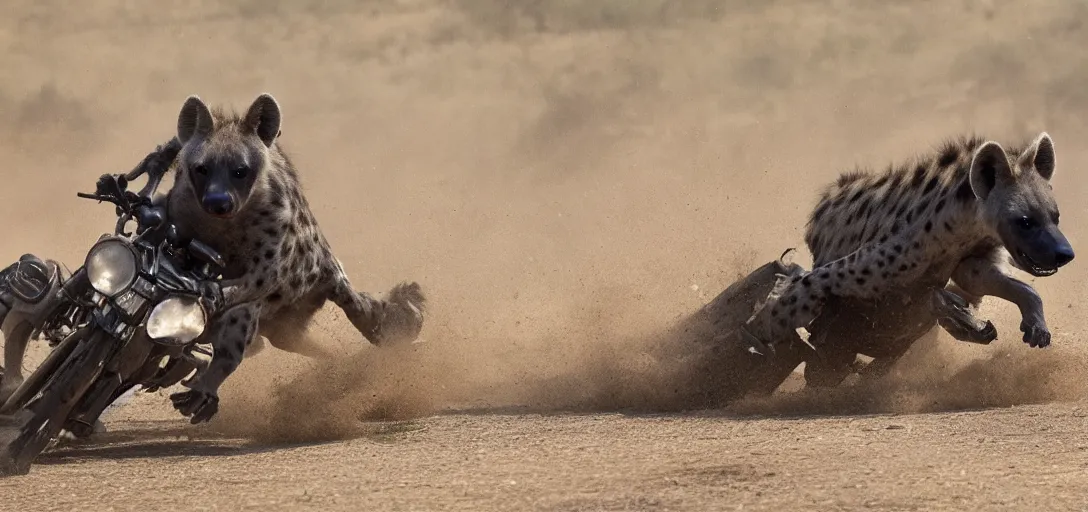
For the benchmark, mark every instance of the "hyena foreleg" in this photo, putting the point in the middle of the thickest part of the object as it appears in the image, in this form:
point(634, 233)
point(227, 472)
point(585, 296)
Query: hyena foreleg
point(230, 334)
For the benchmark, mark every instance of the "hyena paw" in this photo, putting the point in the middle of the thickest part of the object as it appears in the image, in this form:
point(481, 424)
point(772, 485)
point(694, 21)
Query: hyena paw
point(402, 315)
point(408, 293)
point(1036, 333)
point(957, 318)
point(199, 405)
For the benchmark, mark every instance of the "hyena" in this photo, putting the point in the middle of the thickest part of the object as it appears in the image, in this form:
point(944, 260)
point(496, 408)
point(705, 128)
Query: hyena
point(236, 190)
point(957, 214)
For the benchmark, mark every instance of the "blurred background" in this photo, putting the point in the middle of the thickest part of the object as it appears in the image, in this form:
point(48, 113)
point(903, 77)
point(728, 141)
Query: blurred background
point(555, 173)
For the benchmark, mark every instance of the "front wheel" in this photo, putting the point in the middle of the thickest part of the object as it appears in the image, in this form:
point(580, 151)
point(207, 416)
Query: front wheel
point(26, 433)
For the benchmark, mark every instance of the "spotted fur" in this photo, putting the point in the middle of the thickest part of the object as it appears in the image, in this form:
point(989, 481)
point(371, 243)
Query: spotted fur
point(955, 214)
point(281, 269)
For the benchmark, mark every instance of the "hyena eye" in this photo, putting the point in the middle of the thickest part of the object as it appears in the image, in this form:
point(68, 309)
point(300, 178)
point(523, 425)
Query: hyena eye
point(1026, 223)
point(201, 170)
point(240, 173)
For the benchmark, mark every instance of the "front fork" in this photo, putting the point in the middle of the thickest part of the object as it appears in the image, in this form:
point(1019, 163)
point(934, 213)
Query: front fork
point(139, 362)
point(111, 384)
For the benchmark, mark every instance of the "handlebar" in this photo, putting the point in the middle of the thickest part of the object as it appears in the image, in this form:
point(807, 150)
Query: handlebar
point(113, 188)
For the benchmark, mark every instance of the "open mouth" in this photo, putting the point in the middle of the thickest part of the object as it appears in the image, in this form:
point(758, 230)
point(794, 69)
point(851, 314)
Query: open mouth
point(1025, 263)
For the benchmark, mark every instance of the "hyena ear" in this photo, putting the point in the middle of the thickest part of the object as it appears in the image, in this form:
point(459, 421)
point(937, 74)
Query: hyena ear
point(263, 118)
point(1039, 155)
point(989, 166)
point(195, 120)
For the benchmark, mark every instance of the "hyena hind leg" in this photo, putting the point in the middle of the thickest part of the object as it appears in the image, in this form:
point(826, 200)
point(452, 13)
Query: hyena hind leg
point(396, 320)
point(288, 330)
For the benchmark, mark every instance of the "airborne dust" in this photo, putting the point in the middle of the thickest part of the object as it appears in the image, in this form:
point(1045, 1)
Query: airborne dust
point(564, 178)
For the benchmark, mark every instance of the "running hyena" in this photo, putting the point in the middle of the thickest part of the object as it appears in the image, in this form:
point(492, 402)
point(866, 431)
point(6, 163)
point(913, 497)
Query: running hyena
point(957, 214)
point(237, 190)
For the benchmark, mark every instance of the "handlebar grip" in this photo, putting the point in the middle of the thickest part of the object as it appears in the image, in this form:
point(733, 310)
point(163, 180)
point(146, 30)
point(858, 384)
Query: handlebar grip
point(150, 217)
point(200, 250)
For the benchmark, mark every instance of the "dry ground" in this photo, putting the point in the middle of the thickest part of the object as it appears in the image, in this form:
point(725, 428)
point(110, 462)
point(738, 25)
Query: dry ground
point(565, 178)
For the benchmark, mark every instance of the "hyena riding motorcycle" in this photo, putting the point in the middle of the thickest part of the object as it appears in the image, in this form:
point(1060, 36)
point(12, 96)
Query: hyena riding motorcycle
point(130, 315)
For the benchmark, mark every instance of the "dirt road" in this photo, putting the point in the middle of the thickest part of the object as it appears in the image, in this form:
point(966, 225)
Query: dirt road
point(1022, 458)
point(565, 179)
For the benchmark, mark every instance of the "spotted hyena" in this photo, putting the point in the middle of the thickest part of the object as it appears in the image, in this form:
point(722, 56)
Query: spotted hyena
point(236, 189)
point(957, 214)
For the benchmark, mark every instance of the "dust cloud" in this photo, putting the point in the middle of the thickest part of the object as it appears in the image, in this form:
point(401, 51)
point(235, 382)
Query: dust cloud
point(566, 179)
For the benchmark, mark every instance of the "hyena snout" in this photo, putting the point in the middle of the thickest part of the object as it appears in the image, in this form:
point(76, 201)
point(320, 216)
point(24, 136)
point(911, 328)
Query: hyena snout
point(1063, 254)
point(1044, 253)
point(220, 204)
point(1053, 250)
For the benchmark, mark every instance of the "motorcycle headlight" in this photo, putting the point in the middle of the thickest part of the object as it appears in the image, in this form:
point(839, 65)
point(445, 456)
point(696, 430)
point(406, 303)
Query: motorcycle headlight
point(178, 318)
point(111, 267)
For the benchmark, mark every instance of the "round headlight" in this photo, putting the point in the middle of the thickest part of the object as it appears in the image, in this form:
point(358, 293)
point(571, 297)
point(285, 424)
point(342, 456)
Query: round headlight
point(177, 318)
point(111, 267)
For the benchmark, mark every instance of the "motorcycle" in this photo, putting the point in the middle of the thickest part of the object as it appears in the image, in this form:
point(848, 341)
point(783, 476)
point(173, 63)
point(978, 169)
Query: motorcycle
point(734, 364)
point(130, 316)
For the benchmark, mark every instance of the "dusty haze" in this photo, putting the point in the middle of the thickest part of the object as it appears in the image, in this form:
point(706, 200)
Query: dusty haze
point(564, 178)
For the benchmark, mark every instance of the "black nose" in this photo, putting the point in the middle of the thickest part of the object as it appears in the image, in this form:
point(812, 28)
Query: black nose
point(1063, 255)
point(218, 203)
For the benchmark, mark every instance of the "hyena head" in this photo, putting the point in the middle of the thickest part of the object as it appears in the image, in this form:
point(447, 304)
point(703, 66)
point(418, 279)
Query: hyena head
point(1017, 202)
point(224, 156)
